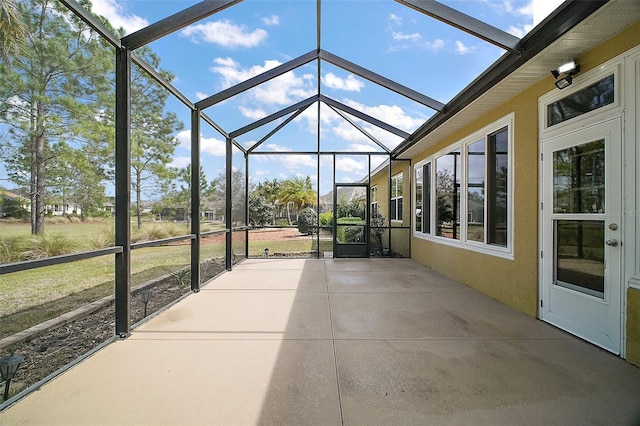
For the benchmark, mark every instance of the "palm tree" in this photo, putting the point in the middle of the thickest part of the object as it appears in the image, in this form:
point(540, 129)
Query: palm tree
point(298, 191)
point(12, 29)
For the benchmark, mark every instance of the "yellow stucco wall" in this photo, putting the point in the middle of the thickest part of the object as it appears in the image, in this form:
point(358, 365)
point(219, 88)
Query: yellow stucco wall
point(515, 282)
point(633, 326)
point(399, 237)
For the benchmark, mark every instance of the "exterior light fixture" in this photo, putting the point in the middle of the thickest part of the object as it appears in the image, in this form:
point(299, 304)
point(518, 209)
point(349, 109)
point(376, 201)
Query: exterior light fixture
point(145, 296)
point(569, 70)
point(9, 365)
point(266, 252)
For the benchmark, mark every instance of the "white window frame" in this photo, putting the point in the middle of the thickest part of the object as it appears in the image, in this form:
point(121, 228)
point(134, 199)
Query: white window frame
point(463, 144)
point(374, 199)
point(392, 197)
point(581, 82)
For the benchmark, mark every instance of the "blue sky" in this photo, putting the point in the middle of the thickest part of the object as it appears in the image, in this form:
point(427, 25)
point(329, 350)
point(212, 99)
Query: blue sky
point(383, 36)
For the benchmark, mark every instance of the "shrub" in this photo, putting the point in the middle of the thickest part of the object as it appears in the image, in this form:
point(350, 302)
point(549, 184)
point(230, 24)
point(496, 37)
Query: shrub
point(106, 238)
point(156, 233)
point(282, 222)
point(326, 219)
point(47, 245)
point(307, 221)
point(182, 277)
point(11, 249)
point(73, 219)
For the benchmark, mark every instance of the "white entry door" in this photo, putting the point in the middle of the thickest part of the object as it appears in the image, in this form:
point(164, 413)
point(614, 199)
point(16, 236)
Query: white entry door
point(581, 247)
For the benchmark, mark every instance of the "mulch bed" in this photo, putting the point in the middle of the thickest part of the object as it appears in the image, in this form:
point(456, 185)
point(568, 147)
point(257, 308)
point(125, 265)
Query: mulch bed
point(49, 352)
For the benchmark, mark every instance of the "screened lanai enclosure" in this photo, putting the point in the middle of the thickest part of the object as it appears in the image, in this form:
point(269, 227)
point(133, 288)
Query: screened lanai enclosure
point(142, 184)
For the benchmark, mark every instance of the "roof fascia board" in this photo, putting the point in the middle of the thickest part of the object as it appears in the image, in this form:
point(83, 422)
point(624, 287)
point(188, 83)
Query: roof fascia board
point(274, 116)
point(92, 21)
point(278, 128)
point(380, 80)
point(257, 80)
point(563, 19)
point(465, 23)
point(365, 117)
point(175, 22)
point(363, 131)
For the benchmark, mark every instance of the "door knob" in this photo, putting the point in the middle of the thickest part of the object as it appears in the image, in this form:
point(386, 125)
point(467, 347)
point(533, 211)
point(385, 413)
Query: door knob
point(611, 243)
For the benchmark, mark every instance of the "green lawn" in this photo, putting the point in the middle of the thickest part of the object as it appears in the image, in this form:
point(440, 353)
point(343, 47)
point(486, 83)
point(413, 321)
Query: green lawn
point(33, 296)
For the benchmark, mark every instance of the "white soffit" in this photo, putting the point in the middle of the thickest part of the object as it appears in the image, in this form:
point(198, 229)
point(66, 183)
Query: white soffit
point(609, 20)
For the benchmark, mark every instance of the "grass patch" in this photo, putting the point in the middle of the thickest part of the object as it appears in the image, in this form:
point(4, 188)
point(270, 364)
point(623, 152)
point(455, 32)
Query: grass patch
point(256, 249)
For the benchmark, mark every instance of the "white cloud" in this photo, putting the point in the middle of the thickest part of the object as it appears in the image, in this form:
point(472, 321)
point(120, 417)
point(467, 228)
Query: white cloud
point(213, 146)
point(271, 20)
point(350, 84)
point(289, 162)
point(390, 114)
point(117, 16)
point(435, 45)
point(255, 114)
point(225, 33)
point(349, 164)
point(232, 73)
point(462, 49)
point(180, 162)
point(519, 31)
point(395, 19)
point(401, 37)
point(282, 90)
point(201, 96)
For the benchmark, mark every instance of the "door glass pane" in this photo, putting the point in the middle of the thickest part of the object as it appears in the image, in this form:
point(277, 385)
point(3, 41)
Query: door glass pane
point(579, 255)
point(578, 179)
point(351, 214)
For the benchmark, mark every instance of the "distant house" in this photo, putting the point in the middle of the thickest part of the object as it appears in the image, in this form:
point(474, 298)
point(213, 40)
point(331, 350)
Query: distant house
point(13, 197)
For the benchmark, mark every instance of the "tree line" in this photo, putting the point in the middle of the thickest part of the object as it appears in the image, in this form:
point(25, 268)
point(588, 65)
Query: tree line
point(58, 110)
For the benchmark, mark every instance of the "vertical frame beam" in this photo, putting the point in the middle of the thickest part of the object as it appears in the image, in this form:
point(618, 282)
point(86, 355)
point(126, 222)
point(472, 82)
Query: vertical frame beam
point(195, 200)
point(246, 205)
point(123, 192)
point(227, 205)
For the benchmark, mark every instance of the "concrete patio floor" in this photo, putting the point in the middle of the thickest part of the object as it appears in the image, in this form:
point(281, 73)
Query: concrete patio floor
point(340, 341)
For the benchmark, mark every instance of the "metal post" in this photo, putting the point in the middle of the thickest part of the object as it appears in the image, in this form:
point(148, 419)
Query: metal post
point(227, 206)
point(195, 200)
point(246, 205)
point(123, 192)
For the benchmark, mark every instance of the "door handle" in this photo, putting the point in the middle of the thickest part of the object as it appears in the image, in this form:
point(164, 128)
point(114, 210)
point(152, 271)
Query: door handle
point(611, 243)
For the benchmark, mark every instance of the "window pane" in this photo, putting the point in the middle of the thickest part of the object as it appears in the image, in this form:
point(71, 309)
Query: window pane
point(588, 99)
point(578, 179)
point(475, 194)
point(447, 195)
point(419, 189)
point(399, 185)
point(393, 210)
point(426, 215)
point(497, 190)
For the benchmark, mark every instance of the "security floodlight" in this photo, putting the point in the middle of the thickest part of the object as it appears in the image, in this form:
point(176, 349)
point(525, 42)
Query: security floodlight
point(569, 69)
